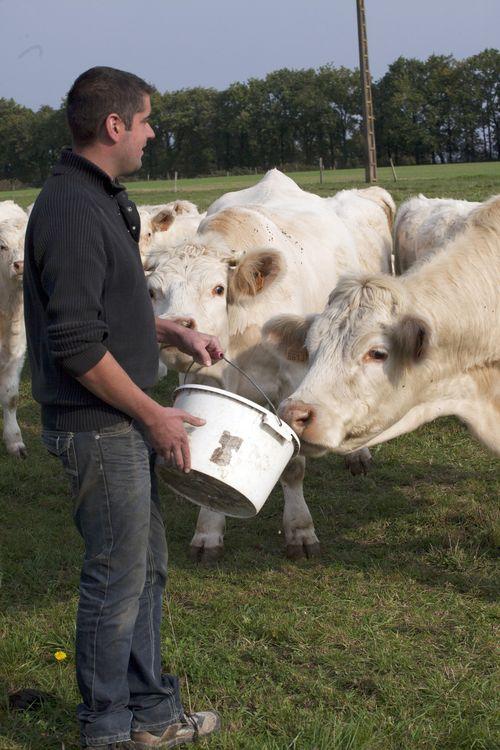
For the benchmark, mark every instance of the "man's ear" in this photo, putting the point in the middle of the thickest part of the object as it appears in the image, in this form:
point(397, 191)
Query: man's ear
point(256, 271)
point(113, 126)
point(163, 220)
point(286, 334)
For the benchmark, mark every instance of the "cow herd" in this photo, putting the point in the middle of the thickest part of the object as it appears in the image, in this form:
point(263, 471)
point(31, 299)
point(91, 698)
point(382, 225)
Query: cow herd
point(302, 294)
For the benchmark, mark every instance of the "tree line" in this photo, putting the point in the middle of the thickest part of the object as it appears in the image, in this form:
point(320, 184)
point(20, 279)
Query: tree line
point(433, 111)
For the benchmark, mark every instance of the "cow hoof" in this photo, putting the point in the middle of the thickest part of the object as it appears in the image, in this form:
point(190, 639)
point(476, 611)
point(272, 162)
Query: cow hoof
point(206, 555)
point(295, 551)
point(312, 550)
point(17, 450)
point(359, 462)
point(301, 551)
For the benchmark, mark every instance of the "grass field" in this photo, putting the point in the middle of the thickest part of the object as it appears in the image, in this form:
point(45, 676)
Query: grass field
point(388, 642)
point(467, 181)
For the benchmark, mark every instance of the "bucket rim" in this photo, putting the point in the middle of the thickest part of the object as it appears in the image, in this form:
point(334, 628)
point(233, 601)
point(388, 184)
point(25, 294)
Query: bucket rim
point(241, 400)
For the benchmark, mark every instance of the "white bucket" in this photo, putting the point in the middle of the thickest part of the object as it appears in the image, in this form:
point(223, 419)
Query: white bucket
point(236, 457)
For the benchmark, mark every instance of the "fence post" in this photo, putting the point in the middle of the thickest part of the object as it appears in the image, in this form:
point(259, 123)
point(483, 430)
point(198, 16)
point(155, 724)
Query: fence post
point(320, 170)
point(393, 170)
point(175, 182)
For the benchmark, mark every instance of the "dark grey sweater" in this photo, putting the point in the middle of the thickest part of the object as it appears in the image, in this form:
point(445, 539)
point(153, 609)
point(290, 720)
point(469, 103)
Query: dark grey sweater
point(84, 293)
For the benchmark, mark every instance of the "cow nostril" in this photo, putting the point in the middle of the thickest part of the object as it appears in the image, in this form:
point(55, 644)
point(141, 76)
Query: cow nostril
point(302, 418)
point(19, 266)
point(298, 415)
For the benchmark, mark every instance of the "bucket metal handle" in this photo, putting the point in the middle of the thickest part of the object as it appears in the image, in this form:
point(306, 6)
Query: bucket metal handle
point(247, 377)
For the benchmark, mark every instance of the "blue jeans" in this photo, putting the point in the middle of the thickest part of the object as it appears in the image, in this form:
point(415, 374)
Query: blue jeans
point(116, 511)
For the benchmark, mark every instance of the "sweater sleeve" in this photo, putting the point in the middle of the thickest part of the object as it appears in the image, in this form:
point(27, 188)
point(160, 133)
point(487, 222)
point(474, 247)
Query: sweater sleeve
point(72, 264)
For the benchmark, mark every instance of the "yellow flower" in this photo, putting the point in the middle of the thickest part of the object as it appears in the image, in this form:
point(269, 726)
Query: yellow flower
point(61, 655)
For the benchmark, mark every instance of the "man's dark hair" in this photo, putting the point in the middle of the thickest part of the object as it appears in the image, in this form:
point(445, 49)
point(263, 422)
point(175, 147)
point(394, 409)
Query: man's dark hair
point(98, 92)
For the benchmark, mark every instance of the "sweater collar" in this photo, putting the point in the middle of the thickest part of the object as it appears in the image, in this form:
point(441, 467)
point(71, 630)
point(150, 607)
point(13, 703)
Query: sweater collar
point(71, 163)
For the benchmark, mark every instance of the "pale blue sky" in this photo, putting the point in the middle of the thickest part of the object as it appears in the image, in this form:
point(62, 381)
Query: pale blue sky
point(175, 44)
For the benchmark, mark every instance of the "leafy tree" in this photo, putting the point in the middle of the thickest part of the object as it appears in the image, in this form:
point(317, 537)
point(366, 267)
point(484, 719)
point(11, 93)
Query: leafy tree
point(341, 94)
point(16, 127)
point(440, 109)
point(400, 112)
point(483, 72)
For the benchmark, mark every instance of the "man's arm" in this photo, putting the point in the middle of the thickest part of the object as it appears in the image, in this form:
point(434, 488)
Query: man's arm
point(109, 382)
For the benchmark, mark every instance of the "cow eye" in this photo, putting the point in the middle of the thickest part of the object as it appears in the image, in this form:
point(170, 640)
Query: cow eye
point(3, 247)
point(380, 355)
point(152, 294)
point(218, 290)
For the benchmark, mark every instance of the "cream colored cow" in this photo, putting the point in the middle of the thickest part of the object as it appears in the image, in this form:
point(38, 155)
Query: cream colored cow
point(164, 226)
point(281, 249)
point(13, 221)
point(388, 355)
point(424, 225)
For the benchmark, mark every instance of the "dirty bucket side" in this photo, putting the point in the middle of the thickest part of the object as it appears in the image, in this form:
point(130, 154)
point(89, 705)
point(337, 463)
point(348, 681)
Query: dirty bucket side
point(235, 449)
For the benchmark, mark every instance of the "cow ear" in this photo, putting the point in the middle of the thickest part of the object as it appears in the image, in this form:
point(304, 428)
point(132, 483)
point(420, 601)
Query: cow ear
point(287, 334)
point(163, 220)
point(255, 272)
point(411, 339)
point(184, 207)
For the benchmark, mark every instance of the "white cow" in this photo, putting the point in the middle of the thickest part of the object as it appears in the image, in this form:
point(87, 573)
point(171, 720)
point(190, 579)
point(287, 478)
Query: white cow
point(165, 226)
point(13, 222)
point(281, 249)
point(424, 225)
point(388, 355)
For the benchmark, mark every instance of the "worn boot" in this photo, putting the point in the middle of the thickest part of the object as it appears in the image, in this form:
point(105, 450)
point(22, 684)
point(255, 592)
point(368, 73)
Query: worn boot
point(188, 729)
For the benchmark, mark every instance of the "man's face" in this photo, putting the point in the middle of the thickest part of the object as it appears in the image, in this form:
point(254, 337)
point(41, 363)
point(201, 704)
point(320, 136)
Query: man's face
point(133, 141)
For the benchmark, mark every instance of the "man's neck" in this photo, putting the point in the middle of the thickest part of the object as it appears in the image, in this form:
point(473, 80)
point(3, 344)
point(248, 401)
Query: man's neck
point(100, 156)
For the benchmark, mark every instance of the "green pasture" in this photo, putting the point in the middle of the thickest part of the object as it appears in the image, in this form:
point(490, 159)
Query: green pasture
point(389, 641)
point(467, 181)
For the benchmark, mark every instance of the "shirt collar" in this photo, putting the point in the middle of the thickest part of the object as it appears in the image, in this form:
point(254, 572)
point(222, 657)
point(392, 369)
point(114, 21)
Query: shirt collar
point(71, 163)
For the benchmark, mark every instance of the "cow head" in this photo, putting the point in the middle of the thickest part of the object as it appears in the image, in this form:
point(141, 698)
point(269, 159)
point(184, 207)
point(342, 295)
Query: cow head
point(12, 233)
point(151, 223)
point(166, 226)
point(365, 355)
point(201, 286)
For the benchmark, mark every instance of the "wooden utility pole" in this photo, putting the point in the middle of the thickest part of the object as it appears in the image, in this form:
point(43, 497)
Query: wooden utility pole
point(366, 84)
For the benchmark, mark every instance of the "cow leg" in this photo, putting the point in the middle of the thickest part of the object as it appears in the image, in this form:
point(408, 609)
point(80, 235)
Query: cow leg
point(301, 540)
point(359, 462)
point(207, 545)
point(9, 393)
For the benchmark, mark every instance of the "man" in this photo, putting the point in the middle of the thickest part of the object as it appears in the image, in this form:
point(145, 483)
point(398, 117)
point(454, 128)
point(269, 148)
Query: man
point(92, 342)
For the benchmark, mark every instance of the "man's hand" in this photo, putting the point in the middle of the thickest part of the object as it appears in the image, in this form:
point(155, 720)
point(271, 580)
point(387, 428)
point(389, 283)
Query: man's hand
point(169, 437)
point(204, 348)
